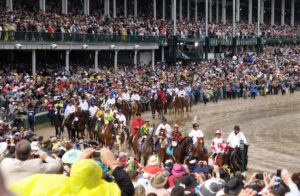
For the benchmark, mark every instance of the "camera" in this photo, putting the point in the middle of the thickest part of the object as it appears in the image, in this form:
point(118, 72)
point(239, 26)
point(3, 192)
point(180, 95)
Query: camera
point(96, 154)
point(259, 176)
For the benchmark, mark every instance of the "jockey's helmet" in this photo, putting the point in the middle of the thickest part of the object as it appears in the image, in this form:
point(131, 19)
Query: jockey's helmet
point(218, 132)
point(175, 126)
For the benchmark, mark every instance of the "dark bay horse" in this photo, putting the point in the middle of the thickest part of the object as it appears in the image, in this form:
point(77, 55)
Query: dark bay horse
point(235, 159)
point(157, 105)
point(123, 105)
point(180, 104)
point(58, 122)
point(91, 127)
point(170, 102)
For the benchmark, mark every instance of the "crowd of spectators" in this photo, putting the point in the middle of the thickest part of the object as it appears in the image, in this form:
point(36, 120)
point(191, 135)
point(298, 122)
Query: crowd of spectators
point(50, 22)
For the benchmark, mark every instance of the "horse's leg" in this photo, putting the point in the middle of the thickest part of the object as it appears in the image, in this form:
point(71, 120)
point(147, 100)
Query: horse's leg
point(56, 130)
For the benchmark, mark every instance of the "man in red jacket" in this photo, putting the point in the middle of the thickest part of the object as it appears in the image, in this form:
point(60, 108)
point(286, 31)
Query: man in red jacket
point(137, 123)
point(161, 93)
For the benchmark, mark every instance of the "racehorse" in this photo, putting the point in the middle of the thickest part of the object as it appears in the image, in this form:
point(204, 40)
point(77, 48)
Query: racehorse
point(124, 106)
point(163, 143)
point(180, 104)
point(146, 151)
point(79, 124)
point(68, 123)
point(58, 122)
point(107, 135)
point(235, 158)
point(157, 105)
point(135, 108)
point(170, 102)
point(183, 147)
point(199, 150)
point(122, 137)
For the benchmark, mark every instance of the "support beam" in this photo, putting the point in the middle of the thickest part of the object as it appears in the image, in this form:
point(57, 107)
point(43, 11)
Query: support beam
point(224, 11)
point(9, 5)
point(135, 58)
point(217, 11)
point(250, 10)
point(105, 7)
point(114, 9)
point(125, 8)
point(282, 12)
point(196, 10)
point(164, 9)
point(108, 8)
point(188, 10)
point(64, 6)
point(258, 17)
point(163, 54)
point(33, 62)
point(116, 60)
point(154, 9)
point(96, 61)
point(67, 60)
point(86, 9)
point(238, 7)
point(262, 11)
point(272, 12)
point(42, 5)
point(153, 60)
point(135, 8)
point(233, 17)
point(172, 9)
point(292, 12)
point(180, 10)
point(210, 11)
point(174, 19)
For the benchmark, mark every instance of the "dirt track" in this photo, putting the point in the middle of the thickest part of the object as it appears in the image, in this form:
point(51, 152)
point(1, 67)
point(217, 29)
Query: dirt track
point(271, 125)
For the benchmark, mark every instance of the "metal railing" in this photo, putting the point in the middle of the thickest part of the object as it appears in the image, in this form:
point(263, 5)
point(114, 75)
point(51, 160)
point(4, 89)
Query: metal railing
point(7, 36)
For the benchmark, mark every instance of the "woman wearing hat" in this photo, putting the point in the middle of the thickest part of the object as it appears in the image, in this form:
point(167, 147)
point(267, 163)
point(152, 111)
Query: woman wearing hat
point(158, 183)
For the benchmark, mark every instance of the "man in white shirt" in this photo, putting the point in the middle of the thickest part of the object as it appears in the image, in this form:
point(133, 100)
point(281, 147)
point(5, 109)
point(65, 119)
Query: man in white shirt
point(84, 105)
point(135, 97)
point(121, 117)
point(165, 126)
point(196, 133)
point(93, 109)
point(125, 96)
point(235, 137)
point(69, 109)
point(181, 93)
point(110, 101)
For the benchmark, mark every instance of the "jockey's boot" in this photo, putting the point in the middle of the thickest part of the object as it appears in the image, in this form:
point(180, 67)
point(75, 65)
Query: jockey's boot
point(130, 140)
point(113, 132)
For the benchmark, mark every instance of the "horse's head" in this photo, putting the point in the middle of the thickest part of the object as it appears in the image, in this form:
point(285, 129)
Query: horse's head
point(200, 141)
point(162, 133)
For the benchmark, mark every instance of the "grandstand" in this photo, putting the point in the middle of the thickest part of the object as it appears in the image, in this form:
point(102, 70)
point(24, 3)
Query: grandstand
point(134, 34)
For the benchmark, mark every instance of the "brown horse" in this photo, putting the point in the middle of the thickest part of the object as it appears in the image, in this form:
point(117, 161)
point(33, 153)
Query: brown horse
point(122, 137)
point(106, 135)
point(125, 110)
point(91, 127)
point(220, 159)
point(235, 159)
point(135, 108)
point(180, 104)
point(183, 147)
point(199, 150)
point(57, 121)
point(170, 102)
point(146, 150)
point(157, 105)
point(163, 143)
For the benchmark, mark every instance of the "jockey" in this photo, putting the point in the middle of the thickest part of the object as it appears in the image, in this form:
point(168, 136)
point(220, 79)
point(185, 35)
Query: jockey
point(58, 104)
point(144, 131)
point(108, 116)
point(218, 144)
point(100, 112)
point(235, 137)
point(176, 136)
point(84, 105)
point(137, 123)
point(161, 93)
point(93, 109)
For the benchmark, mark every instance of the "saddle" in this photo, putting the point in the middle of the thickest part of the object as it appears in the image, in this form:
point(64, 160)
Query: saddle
point(141, 142)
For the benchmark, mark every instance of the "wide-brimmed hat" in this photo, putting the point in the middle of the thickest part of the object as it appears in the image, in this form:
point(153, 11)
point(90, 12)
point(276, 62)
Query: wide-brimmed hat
point(71, 156)
point(211, 187)
point(159, 179)
point(3, 146)
point(153, 160)
point(178, 170)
